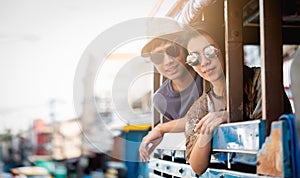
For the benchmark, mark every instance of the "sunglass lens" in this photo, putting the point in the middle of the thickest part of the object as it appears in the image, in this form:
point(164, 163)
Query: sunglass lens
point(157, 58)
point(193, 59)
point(210, 52)
point(173, 51)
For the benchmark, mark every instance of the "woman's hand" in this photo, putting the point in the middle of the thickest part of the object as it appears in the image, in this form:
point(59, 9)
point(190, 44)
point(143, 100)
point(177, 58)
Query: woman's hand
point(210, 121)
point(153, 138)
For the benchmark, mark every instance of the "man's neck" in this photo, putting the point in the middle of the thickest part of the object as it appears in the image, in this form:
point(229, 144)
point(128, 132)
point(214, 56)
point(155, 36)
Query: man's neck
point(183, 82)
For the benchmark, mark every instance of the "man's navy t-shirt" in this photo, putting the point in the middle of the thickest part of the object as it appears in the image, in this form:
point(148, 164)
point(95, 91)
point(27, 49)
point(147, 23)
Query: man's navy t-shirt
point(173, 104)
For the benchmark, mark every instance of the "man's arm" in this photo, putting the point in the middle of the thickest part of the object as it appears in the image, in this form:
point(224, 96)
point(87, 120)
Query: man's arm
point(154, 137)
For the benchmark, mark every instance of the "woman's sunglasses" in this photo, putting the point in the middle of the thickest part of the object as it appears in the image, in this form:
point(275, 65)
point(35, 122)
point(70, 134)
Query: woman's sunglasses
point(158, 57)
point(194, 58)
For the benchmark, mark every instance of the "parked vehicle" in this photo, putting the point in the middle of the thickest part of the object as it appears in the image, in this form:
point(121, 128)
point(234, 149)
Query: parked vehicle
point(30, 172)
point(269, 25)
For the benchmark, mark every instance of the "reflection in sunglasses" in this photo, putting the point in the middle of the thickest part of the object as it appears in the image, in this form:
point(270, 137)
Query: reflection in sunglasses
point(209, 52)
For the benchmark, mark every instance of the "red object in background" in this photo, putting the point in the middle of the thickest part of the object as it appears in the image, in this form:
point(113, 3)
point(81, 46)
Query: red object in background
point(43, 137)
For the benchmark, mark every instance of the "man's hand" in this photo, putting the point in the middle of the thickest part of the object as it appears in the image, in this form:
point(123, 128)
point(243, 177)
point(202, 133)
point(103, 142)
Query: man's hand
point(212, 120)
point(154, 138)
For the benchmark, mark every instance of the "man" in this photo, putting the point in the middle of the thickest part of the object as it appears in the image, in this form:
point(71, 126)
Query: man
point(182, 85)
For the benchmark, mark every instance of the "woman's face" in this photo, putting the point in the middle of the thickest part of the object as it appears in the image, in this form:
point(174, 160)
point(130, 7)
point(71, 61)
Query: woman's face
point(210, 65)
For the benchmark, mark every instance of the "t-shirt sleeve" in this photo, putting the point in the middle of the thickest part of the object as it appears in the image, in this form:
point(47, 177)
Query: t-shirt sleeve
point(160, 104)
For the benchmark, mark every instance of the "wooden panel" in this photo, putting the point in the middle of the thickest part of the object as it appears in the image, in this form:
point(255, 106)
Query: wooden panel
point(156, 84)
point(251, 35)
point(234, 58)
point(290, 35)
point(274, 157)
point(271, 53)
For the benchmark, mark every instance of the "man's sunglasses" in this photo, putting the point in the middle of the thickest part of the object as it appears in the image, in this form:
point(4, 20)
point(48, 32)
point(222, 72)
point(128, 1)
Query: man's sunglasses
point(209, 52)
point(172, 51)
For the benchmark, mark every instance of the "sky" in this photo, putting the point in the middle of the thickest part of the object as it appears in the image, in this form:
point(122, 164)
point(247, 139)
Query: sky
point(41, 43)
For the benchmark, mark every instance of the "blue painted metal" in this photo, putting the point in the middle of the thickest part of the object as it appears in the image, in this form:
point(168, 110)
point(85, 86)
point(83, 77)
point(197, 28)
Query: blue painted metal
point(132, 140)
point(171, 168)
point(232, 137)
point(233, 143)
point(227, 174)
point(294, 145)
point(238, 142)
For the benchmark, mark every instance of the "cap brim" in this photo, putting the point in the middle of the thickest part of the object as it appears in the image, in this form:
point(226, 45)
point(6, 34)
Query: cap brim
point(146, 50)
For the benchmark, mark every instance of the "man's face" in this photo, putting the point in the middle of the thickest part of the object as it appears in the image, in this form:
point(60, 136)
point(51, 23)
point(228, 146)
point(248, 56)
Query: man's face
point(169, 60)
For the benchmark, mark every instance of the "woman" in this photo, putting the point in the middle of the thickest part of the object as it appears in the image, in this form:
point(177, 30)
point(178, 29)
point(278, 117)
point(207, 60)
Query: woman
point(209, 111)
